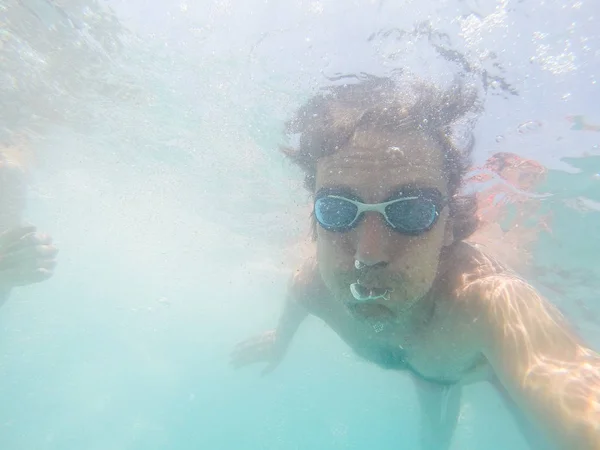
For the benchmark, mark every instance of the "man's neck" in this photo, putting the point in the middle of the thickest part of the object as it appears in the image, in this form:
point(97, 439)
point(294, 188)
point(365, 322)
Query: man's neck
point(411, 321)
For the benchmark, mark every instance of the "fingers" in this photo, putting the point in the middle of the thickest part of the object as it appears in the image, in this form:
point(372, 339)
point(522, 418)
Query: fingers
point(23, 257)
point(35, 276)
point(263, 339)
point(15, 234)
point(26, 257)
point(18, 277)
point(253, 350)
point(249, 354)
point(27, 240)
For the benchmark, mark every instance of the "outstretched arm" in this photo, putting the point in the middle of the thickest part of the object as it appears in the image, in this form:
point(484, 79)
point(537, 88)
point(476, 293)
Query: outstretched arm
point(26, 256)
point(292, 316)
point(550, 374)
point(271, 346)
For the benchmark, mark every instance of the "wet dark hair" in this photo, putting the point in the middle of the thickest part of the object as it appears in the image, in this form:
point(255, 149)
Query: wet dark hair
point(330, 119)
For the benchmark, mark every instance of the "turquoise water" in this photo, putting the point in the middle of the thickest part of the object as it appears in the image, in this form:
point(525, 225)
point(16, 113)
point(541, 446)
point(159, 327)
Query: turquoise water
point(155, 129)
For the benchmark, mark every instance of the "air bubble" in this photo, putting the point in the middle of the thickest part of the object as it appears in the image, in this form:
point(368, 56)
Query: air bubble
point(527, 127)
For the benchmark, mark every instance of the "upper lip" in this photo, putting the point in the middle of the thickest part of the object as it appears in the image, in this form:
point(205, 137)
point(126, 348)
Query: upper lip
point(372, 285)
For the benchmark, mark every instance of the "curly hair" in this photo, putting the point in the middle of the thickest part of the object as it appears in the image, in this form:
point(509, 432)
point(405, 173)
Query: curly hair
point(330, 119)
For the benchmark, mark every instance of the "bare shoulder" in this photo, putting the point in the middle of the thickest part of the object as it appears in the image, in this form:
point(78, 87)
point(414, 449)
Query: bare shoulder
point(464, 269)
point(505, 304)
point(470, 273)
point(473, 262)
point(477, 290)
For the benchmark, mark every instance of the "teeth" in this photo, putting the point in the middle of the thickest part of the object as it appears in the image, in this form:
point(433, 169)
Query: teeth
point(363, 294)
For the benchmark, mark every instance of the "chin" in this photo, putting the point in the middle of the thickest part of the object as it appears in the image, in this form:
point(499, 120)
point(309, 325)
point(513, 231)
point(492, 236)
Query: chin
point(373, 310)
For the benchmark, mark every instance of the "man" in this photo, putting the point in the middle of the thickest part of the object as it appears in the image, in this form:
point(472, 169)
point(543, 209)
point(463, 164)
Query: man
point(26, 256)
point(394, 277)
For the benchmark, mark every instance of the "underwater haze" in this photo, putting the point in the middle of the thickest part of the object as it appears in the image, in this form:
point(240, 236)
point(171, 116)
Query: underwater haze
point(155, 129)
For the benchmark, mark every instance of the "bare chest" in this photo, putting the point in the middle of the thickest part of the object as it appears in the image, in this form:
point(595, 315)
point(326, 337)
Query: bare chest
point(441, 351)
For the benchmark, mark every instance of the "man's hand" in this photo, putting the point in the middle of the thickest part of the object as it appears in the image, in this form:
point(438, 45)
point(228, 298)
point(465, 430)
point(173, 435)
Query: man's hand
point(26, 257)
point(263, 348)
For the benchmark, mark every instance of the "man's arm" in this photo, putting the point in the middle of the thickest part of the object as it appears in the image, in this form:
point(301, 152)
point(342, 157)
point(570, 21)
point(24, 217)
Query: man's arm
point(271, 347)
point(302, 291)
point(304, 288)
point(292, 316)
point(547, 370)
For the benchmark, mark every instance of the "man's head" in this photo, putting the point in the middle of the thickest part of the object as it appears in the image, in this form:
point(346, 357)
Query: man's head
point(366, 144)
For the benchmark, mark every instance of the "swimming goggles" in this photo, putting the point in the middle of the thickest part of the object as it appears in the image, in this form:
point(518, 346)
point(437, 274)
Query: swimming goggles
point(412, 211)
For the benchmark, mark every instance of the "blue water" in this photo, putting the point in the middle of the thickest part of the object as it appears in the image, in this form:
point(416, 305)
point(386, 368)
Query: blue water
point(155, 129)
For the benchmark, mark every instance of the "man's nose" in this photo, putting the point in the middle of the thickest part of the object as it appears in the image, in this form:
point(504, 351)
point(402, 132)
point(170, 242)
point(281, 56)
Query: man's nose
point(373, 239)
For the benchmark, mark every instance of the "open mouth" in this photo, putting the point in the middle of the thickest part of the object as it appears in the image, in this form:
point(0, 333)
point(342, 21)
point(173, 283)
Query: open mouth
point(368, 294)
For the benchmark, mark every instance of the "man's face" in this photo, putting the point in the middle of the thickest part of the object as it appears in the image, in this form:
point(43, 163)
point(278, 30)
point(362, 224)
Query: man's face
point(375, 167)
